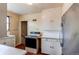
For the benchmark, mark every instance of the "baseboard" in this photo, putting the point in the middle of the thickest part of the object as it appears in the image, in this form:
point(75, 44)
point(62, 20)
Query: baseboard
point(44, 54)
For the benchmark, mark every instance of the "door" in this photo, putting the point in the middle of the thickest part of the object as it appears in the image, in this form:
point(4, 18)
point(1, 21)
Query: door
point(23, 31)
point(31, 43)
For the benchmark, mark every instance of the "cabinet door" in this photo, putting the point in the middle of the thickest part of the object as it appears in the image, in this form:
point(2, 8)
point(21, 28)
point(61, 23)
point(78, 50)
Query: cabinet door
point(45, 46)
point(10, 42)
point(55, 47)
point(51, 19)
point(2, 41)
point(51, 46)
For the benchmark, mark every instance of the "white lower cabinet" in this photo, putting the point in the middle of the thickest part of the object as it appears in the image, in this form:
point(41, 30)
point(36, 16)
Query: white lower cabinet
point(51, 46)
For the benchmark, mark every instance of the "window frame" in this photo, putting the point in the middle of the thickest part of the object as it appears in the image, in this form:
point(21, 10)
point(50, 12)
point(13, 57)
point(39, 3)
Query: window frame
point(8, 23)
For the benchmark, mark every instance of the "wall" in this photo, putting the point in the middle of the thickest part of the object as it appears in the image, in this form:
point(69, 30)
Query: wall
point(32, 26)
point(14, 24)
point(71, 30)
point(3, 13)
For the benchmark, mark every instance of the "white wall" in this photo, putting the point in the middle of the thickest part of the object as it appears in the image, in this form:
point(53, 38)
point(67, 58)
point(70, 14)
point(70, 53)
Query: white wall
point(3, 14)
point(32, 26)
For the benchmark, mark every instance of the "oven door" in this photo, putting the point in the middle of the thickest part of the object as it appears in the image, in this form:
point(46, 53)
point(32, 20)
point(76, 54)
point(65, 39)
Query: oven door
point(31, 42)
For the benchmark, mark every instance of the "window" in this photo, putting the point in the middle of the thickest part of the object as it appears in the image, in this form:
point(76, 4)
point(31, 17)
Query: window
point(8, 24)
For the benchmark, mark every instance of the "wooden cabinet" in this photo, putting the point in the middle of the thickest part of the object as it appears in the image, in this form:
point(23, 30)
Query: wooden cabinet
point(51, 46)
point(10, 41)
point(3, 14)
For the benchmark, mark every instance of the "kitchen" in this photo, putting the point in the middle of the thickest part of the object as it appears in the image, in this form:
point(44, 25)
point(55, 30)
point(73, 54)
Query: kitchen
point(38, 27)
point(43, 22)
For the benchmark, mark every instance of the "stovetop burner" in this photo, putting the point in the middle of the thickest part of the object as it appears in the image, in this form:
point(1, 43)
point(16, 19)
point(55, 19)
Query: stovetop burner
point(34, 35)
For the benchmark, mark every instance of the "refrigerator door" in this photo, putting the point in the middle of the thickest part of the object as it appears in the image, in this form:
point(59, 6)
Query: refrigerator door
point(71, 31)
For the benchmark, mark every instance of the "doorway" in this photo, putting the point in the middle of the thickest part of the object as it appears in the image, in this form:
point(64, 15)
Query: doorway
point(23, 31)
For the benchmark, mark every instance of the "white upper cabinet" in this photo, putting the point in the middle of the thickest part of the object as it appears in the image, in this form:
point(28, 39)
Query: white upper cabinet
point(51, 19)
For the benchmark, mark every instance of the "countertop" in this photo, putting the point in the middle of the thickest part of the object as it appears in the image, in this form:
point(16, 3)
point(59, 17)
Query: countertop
point(51, 38)
point(6, 50)
point(54, 37)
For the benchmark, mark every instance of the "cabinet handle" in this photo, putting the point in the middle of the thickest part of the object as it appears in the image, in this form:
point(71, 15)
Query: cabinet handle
point(46, 39)
point(52, 47)
point(4, 43)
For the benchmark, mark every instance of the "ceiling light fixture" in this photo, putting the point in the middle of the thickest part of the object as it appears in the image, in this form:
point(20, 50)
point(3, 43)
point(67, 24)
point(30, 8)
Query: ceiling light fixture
point(29, 3)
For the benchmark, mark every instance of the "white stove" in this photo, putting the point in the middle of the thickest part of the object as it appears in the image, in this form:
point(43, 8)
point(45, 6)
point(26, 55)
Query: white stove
point(33, 42)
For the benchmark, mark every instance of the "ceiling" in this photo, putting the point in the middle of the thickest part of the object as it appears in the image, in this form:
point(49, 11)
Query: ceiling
point(24, 8)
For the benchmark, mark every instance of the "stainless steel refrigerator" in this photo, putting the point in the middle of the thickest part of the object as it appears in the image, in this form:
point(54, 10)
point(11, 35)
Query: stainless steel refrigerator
point(70, 29)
